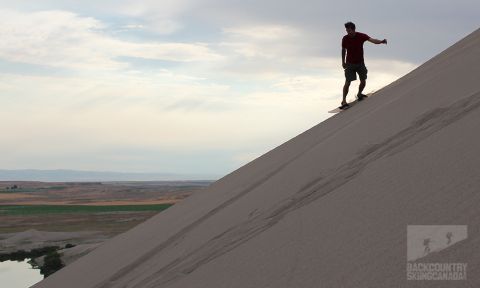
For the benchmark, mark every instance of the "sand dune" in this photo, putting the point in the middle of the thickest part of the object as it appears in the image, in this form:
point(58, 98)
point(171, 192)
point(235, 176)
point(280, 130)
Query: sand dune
point(330, 207)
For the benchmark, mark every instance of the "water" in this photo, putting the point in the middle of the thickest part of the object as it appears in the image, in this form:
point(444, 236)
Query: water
point(15, 274)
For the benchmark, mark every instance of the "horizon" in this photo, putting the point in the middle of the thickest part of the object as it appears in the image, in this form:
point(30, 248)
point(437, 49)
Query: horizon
point(191, 87)
point(68, 175)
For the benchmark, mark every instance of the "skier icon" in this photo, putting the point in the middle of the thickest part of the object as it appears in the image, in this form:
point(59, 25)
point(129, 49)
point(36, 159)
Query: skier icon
point(426, 243)
point(449, 238)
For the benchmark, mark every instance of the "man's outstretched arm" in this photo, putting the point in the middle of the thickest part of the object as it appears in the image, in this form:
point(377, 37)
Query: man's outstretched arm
point(376, 41)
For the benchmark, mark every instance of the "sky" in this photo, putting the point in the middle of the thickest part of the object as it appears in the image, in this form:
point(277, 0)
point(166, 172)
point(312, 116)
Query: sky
point(184, 86)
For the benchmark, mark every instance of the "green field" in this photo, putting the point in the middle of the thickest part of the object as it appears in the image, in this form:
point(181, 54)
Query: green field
point(77, 209)
point(21, 190)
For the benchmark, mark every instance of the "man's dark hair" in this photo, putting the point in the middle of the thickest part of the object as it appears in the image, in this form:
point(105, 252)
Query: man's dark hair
point(350, 25)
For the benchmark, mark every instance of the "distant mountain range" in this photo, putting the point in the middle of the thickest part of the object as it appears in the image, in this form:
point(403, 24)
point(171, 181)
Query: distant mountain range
point(63, 175)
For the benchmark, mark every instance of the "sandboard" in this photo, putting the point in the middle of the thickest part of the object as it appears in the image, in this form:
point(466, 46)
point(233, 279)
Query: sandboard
point(351, 104)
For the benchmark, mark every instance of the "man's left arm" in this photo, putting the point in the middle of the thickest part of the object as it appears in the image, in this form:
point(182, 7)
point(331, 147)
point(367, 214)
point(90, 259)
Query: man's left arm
point(376, 41)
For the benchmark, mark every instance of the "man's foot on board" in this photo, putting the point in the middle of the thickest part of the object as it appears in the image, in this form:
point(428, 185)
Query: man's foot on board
point(360, 97)
point(344, 106)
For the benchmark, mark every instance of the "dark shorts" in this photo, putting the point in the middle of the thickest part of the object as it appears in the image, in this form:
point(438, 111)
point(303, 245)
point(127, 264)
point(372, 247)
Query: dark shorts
point(352, 70)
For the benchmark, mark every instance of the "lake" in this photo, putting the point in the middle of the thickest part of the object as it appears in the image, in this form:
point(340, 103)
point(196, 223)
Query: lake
point(15, 274)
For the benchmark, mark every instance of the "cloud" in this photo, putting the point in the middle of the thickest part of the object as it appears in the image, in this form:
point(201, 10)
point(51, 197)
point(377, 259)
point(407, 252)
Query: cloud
point(64, 39)
point(262, 33)
point(262, 51)
point(79, 115)
point(265, 41)
point(159, 17)
point(196, 105)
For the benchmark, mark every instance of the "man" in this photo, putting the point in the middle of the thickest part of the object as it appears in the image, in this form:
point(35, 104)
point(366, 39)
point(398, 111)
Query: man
point(352, 46)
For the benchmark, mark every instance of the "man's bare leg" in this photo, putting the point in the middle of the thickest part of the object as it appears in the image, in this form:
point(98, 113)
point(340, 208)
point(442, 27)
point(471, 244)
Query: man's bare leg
point(361, 86)
point(345, 91)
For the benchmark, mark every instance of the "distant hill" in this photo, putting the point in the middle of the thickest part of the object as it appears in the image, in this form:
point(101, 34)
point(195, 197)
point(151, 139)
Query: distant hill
point(63, 175)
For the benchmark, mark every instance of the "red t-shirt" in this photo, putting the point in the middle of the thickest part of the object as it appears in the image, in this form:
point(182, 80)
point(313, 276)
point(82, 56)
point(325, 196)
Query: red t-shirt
point(354, 46)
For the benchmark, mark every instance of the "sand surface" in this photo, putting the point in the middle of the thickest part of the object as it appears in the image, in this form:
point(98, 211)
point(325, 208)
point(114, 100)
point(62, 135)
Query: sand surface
point(329, 208)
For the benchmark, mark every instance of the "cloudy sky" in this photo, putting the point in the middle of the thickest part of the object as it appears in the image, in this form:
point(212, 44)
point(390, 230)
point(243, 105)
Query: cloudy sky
point(192, 86)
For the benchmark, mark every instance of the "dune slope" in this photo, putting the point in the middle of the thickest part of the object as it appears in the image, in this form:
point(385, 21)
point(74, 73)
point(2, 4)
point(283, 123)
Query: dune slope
point(330, 207)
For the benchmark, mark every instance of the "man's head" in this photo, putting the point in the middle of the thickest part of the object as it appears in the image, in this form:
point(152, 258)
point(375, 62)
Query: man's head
point(350, 27)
